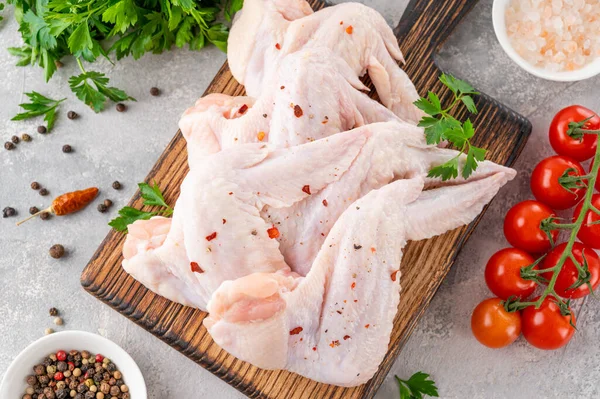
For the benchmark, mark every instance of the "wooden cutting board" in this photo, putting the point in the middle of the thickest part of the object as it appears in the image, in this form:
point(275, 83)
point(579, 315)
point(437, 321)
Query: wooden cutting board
point(423, 28)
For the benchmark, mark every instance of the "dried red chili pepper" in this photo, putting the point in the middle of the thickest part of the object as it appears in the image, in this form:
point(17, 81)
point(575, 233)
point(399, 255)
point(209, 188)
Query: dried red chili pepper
point(68, 203)
point(296, 331)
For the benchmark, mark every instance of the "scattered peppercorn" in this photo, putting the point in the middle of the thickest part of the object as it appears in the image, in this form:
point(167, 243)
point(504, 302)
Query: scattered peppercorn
point(72, 115)
point(9, 145)
point(154, 91)
point(108, 203)
point(45, 215)
point(48, 331)
point(25, 137)
point(35, 185)
point(121, 107)
point(8, 212)
point(59, 322)
point(116, 185)
point(33, 210)
point(42, 129)
point(67, 148)
point(15, 139)
point(44, 192)
point(57, 251)
point(53, 312)
point(102, 208)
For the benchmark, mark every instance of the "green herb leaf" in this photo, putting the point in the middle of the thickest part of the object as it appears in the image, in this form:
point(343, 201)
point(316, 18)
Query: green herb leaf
point(152, 196)
point(469, 103)
point(39, 105)
point(474, 156)
point(123, 14)
point(217, 35)
point(430, 105)
point(91, 88)
point(128, 215)
point(417, 386)
point(80, 40)
point(457, 86)
point(447, 170)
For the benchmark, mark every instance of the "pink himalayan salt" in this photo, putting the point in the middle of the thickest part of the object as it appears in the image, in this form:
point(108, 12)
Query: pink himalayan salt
point(556, 35)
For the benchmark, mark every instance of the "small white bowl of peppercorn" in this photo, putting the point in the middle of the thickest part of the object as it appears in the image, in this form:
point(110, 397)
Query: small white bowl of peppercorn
point(73, 364)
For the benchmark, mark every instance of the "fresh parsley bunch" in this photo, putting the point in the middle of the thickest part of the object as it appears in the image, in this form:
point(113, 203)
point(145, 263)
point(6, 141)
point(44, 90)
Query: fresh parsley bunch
point(440, 126)
point(418, 386)
point(89, 29)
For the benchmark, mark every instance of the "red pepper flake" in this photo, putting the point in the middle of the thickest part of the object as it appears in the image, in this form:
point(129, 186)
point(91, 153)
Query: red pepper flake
point(211, 236)
point(282, 87)
point(243, 109)
point(273, 232)
point(325, 121)
point(356, 300)
point(341, 22)
point(373, 250)
point(325, 203)
point(224, 221)
point(260, 136)
point(301, 339)
point(394, 275)
point(196, 267)
point(353, 285)
point(339, 311)
point(296, 331)
point(306, 189)
point(367, 325)
point(278, 46)
point(349, 30)
point(231, 193)
point(346, 337)
point(298, 111)
point(335, 343)
point(315, 348)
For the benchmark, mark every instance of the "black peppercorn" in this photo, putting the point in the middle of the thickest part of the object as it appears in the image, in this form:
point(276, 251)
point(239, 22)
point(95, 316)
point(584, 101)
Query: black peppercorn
point(62, 366)
point(8, 212)
point(42, 129)
point(108, 203)
point(98, 377)
point(15, 139)
point(79, 396)
point(43, 379)
point(45, 215)
point(72, 115)
point(90, 395)
point(39, 369)
point(44, 192)
point(82, 388)
point(9, 145)
point(33, 210)
point(31, 380)
point(35, 185)
point(116, 185)
point(57, 251)
point(53, 312)
point(154, 91)
point(25, 137)
point(67, 148)
point(121, 107)
point(62, 394)
point(102, 208)
point(111, 367)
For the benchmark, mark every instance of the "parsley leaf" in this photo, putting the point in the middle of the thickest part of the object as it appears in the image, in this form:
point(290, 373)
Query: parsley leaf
point(128, 215)
point(417, 386)
point(152, 196)
point(440, 125)
point(39, 105)
point(91, 88)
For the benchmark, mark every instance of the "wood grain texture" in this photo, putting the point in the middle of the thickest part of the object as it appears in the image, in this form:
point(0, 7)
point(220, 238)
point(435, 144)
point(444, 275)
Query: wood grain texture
point(424, 26)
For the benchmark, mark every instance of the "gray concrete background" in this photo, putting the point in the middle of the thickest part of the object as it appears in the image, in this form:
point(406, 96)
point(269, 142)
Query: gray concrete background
point(114, 146)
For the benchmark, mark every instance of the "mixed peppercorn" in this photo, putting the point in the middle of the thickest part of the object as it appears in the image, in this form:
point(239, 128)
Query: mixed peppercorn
point(78, 375)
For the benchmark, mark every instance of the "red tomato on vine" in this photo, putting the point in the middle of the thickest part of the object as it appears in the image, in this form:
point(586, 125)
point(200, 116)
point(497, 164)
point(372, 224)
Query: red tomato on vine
point(578, 149)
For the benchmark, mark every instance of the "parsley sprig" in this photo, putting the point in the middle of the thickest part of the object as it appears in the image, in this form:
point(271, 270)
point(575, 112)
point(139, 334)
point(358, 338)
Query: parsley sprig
point(440, 125)
point(417, 386)
point(92, 29)
point(152, 197)
point(39, 105)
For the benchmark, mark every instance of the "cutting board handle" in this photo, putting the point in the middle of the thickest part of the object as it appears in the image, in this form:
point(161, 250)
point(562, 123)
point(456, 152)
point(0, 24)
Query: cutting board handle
point(429, 23)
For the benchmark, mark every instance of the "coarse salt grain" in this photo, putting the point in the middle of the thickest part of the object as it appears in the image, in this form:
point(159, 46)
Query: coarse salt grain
point(556, 35)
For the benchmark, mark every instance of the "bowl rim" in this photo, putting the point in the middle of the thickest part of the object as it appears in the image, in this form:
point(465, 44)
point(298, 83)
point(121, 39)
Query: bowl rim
point(133, 373)
point(499, 23)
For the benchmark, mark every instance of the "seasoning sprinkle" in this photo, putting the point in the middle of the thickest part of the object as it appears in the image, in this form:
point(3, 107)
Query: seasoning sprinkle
point(59, 322)
point(33, 210)
point(353, 285)
point(346, 337)
point(211, 236)
point(325, 203)
point(9, 145)
point(298, 111)
point(72, 115)
point(349, 30)
point(8, 212)
point(45, 215)
point(42, 129)
point(121, 107)
point(102, 208)
point(306, 189)
point(44, 192)
point(273, 232)
point(394, 275)
point(357, 247)
point(116, 185)
point(67, 149)
point(35, 185)
point(53, 311)
point(196, 267)
point(25, 137)
point(48, 331)
point(108, 203)
point(260, 136)
point(296, 331)
point(154, 91)
point(278, 46)
point(243, 109)
point(15, 139)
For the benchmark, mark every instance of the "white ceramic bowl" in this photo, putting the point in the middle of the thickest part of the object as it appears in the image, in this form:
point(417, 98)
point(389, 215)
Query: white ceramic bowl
point(13, 384)
point(498, 13)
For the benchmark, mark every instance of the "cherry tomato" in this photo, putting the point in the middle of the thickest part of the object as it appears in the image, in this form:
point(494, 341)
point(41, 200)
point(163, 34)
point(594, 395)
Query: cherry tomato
point(589, 233)
point(545, 328)
point(493, 326)
point(522, 226)
point(569, 273)
point(503, 274)
point(546, 187)
point(563, 144)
